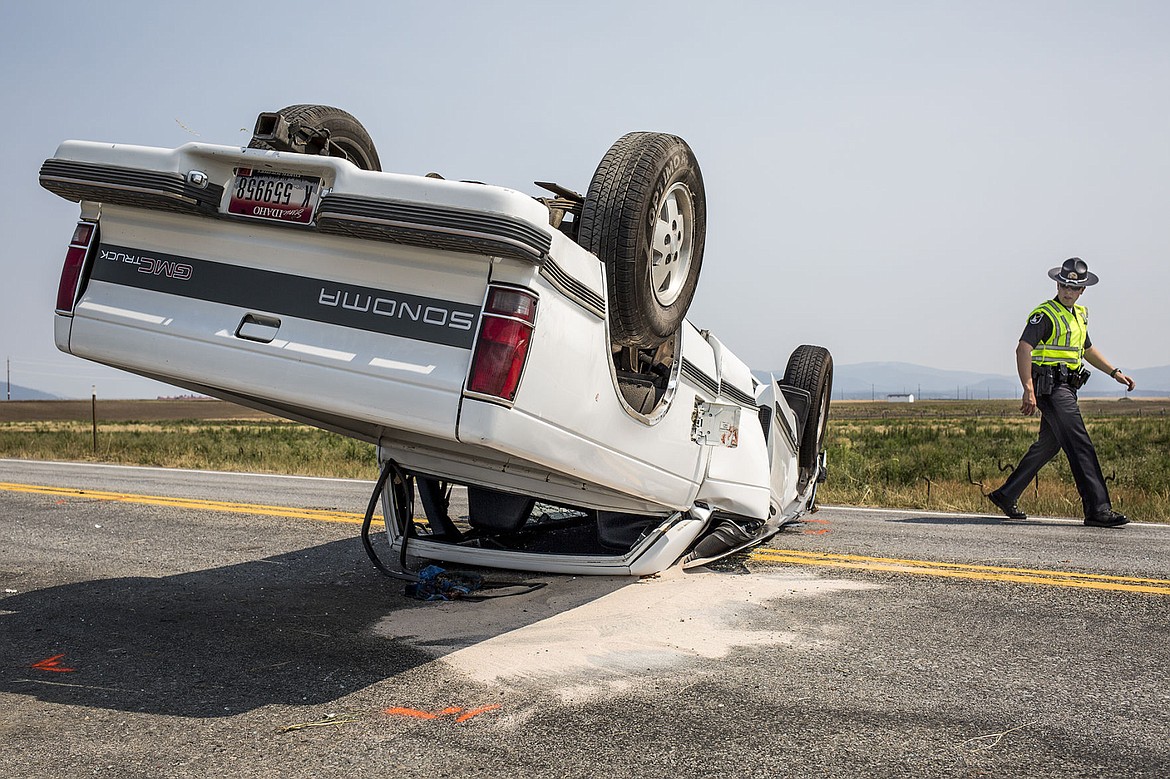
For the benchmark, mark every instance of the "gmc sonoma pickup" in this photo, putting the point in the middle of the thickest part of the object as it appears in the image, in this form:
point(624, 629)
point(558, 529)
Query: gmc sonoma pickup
point(532, 351)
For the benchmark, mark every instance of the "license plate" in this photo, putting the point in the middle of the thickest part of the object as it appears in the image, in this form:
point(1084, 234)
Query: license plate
point(279, 197)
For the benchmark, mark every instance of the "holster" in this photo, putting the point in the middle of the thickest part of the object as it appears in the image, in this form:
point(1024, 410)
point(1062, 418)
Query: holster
point(1046, 377)
point(1043, 379)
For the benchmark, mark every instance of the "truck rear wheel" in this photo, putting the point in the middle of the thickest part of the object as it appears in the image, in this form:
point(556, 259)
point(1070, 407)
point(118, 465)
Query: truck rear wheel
point(645, 217)
point(810, 368)
point(308, 126)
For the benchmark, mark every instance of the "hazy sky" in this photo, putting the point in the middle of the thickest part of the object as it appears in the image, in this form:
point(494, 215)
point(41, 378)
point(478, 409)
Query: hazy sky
point(891, 180)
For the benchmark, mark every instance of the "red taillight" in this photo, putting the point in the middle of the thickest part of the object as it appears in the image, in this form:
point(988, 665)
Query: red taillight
point(74, 263)
point(502, 347)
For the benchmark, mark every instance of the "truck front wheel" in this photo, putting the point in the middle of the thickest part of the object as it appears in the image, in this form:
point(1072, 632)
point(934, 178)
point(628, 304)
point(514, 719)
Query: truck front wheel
point(810, 368)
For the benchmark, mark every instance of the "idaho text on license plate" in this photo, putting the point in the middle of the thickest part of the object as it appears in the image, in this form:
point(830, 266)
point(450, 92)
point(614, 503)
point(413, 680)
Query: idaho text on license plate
point(281, 197)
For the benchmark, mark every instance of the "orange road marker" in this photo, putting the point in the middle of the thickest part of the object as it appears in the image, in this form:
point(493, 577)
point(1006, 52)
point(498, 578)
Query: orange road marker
point(414, 713)
point(464, 715)
point(53, 664)
point(476, 712)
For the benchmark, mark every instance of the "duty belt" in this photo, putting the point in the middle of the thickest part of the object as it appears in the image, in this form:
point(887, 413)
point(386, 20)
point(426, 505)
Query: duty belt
point(1062, 374)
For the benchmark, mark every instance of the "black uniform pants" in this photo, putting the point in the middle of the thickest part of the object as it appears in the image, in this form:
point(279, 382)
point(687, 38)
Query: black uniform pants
point(1062, 427)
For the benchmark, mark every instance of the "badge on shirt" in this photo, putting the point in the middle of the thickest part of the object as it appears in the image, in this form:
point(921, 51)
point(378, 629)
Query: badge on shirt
point(1036, 318)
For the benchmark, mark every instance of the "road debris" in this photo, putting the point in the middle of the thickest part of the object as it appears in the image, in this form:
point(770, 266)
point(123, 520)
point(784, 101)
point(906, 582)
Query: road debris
point(328, 721)
point(995, 738)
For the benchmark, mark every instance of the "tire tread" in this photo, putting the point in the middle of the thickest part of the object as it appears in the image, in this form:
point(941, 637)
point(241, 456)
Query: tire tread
point(811, 368)
point(615, 202)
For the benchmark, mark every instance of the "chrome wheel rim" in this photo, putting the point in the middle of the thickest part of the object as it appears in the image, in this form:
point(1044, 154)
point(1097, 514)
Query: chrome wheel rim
point(672, 244)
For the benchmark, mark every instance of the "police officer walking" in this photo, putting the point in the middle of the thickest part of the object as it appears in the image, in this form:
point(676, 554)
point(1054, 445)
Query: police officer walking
point(1050, 359)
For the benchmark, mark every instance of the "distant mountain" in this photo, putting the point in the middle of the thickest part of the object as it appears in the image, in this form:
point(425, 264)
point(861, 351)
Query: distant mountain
point(878, 380)
point(23, 393)
point(1153, 379)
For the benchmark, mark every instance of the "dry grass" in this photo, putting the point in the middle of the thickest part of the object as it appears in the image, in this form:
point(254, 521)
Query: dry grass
point(121, 410)
point(198, 434)
point(895, 455)
point(926, 455)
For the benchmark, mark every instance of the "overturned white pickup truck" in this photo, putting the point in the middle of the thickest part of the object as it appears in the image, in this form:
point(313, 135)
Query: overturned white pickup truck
point(531, 350)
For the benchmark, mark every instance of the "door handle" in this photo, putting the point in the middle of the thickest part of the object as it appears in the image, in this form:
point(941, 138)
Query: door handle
point(258, 327)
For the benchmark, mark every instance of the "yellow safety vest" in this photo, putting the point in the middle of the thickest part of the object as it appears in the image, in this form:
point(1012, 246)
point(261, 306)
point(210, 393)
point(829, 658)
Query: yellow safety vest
point(1066, 345)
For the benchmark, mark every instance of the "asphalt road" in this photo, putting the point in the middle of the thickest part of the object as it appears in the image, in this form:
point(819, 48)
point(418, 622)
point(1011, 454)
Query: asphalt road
point(180, 624)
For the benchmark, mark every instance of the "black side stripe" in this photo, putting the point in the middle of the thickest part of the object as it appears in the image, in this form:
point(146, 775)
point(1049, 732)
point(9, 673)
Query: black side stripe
point(348, 305)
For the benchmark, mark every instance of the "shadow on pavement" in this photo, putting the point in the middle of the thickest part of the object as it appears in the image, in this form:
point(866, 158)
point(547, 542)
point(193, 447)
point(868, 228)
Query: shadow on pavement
point(968, 520)
point(988, 520)
point(294, 629)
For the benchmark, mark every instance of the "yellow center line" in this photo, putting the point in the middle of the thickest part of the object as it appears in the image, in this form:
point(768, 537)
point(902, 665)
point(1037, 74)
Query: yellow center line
point(963, 571)
point(191, 503)
point(793, 556)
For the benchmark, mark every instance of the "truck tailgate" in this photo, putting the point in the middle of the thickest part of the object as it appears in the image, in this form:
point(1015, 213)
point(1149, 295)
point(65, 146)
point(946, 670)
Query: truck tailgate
point(375, 335)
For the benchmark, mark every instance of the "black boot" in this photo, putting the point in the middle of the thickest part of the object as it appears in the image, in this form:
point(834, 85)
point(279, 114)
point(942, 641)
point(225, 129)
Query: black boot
point(1008, 507)
point(1109, 518)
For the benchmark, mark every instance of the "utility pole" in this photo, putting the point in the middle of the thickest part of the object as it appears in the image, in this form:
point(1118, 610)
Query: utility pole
point(8, 378)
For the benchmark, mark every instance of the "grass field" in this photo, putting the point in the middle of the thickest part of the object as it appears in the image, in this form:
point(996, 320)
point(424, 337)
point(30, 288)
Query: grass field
point(927, 454)
point(201, 434)
point(922, 455)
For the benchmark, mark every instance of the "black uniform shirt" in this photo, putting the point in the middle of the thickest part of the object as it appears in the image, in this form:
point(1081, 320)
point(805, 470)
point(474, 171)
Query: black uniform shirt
point(1039, 329)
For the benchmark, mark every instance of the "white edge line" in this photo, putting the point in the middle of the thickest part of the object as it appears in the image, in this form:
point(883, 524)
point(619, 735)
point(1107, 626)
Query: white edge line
point(912, 512)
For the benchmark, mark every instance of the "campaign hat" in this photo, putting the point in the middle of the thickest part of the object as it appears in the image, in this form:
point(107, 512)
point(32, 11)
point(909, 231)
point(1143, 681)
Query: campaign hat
point(1074, 273)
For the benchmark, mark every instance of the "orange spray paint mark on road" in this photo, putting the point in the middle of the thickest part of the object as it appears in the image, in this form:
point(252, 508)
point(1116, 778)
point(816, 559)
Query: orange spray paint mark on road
point(815, 531)
point(475, 712)
point(464, 715)
point(399, 711)
point(53, 664)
